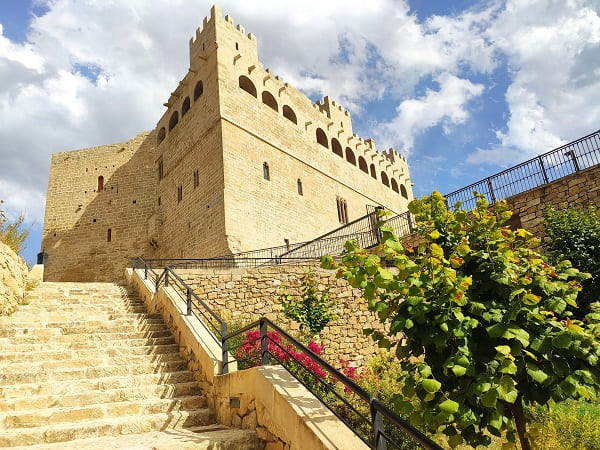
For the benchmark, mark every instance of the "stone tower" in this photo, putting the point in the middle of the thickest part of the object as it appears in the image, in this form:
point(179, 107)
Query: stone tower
point(240, 160)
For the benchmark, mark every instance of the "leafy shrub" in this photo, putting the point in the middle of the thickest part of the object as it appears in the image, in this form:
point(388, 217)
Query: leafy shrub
point(478, 319)
point(574, 235)
point(313, 311)
point(13, 234)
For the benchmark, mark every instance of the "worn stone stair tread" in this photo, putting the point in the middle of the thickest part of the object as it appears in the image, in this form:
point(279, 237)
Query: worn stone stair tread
point(90, 397)
point(73, 357)
point(210, 437)
point(192, 404)
point(68, 387)
point(105, 427)
point(34, 345)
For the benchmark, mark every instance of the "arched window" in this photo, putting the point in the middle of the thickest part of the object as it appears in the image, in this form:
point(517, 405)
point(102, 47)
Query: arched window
point(350, 156)
point(394, 185)
point(289, 114)
point(403, 191)
point(247, 85)
point(373, 172)
point(322, 138)
point(161, 135)
point(185, 107)
point(198, 90)
point(100, 183)
point(269, 100)
point(362, 164)
point(337, 147)
point(266, 174)
point(299, 184)
point(384, 179)
point(173, 120)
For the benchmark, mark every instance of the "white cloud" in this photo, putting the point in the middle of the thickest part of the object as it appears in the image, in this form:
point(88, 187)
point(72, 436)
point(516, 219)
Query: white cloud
point(447, 106)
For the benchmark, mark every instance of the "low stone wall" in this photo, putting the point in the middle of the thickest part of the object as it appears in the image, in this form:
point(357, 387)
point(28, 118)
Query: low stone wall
point(13, 279)
point(579, 189)
point(285, 415)
point(252, 293)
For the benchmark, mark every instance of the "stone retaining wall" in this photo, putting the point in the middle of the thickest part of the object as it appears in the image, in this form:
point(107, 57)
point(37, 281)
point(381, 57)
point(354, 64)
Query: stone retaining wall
point(252, 293)
point(13, 279)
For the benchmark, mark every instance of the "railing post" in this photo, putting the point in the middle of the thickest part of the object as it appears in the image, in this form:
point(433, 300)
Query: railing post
point(166, 277)
point(379, 442)
point(541, 161)
point(224, 349)
point(145, 271)
point(264, 343)
point(378, 233)
point(411, 227)
point(573, 156)
point(188, 298)
point(493, 197)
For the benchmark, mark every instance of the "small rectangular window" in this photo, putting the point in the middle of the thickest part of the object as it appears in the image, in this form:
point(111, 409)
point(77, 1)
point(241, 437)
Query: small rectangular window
point(180, 193)
point(196, 178)
point(108, 235)
point(266, 174)
point(159, 200)
point(161, 170)
point(342, 210)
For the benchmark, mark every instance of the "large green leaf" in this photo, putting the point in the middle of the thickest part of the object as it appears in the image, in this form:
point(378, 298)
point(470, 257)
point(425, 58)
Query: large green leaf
point(431, 385)
point(562, 340)
point(507, 390)
point(536, 373)
point(449, 406)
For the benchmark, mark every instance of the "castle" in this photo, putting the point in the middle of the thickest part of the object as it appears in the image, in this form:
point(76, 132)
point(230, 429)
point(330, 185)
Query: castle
point(240, 160)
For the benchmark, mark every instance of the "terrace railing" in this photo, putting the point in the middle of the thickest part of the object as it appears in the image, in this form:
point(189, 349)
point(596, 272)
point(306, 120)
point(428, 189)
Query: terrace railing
point(373, 422)
point(543, 169)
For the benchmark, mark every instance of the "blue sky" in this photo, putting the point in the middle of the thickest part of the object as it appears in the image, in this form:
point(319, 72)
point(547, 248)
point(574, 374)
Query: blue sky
point(463, 88)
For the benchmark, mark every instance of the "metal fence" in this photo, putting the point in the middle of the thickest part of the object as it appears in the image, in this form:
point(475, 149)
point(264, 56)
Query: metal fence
point(551, 166)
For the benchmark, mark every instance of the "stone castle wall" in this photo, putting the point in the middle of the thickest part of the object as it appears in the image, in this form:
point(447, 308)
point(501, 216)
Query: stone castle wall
point(13, 279)
point(195, 186)
point(244, 295)
point(78, 217)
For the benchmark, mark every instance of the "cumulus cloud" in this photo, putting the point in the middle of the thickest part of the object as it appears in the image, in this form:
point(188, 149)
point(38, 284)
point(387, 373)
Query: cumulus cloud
point(446, 106)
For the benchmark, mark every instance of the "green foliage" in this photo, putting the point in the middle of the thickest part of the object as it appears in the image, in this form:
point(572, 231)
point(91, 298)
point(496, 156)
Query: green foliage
point(569, 425)
point(12, 233)
point(313, 310)
point(478, 319)
point(574, 235)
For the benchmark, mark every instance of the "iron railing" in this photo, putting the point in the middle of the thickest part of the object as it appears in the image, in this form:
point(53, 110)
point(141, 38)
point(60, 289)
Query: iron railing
point(378, 429)
point(543, 169)
point(363, 230)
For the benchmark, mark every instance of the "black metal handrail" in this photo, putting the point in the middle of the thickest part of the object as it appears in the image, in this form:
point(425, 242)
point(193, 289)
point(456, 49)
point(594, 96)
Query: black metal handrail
point(566, 160)
point(378, 411)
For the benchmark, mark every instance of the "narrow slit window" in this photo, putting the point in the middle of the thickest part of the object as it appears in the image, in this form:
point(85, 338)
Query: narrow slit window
point(196, 178)
point(299, 184)
point(109, 235)
point(161, 170)
point(266, 174)
point(100, 183)
point(179, 193)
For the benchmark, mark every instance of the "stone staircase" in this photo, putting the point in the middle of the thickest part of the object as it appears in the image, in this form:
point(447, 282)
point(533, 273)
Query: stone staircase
point(83, 365)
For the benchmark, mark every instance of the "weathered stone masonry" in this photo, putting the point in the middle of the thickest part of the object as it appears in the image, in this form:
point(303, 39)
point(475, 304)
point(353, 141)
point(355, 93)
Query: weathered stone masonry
point(240, 160)
point(252, 293)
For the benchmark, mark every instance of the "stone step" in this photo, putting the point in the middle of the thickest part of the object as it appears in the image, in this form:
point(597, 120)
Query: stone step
point(41, 417)
point(95, 360)
point(69, 387)
point(95, 396)
point(207, 437)
point(85, 328)
point(59, 353)
point(90, 372)
point(82, 341)
point(105, 427)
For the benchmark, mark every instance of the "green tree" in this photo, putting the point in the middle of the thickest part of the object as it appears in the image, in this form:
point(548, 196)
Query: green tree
point(13, 233)
point(313, 310)
point(478, 319)
point(574, 235)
